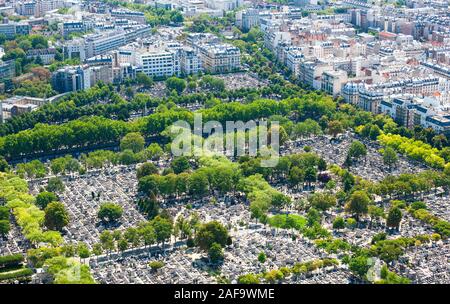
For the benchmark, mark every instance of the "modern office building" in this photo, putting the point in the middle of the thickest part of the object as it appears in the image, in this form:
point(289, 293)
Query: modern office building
point(15, 28)
point(98, 44)
point(158, 62)
point(7, 69)
point(129, 15)
point(71, 78)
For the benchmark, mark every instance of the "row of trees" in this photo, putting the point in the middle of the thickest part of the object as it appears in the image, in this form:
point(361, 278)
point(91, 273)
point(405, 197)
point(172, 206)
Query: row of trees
point(414, 149)
point(80, 133)
point(210, 237)
point(219, 175)
point(75, 105)
point(93, 160)
point(4, 221)
point(440, 226)
point(410, 185)
point(102, 100)
point(277, 275)
point(96, 130)
point(28, 216)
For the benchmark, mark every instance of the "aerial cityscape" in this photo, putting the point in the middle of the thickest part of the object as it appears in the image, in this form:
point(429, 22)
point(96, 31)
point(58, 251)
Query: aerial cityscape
point(225, 142)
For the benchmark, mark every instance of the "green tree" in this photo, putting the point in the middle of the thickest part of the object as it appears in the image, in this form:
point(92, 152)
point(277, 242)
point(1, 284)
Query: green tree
point(147, 233)
point(348, 181)
point(38, 41)
point(215, 253)
point(211, 83)
point(262, 257)
point(357, 149)
point(335, 127)
point(321, 164)
point(360, 265)
point(322, 200)
point(163, 229)
point(132, 141)
point(390, 157)
point(310, 175)
point(144, 80)
point(198, 183)
point(110, 212)
point(58, 165)
point(358, 203)
point(155, 265)
point(107, 241)
point(4, 227)
point(249, 278)
point(175, 83)
point(296, 176)
point(209, 233)
point(154, 151)
point(72, 165)
point(83, 250)
point(122, 244)
point(56, 216)
point(394, 218)
point(146, 169)
point(313, 217)
point(55, 184)
point(374, 132)
point(132, 236)
point(180, 164)
point(4, 213)
point(97, 249)
point(4, 166)
point(44, 198)
point(338, 223)
point(149, 185)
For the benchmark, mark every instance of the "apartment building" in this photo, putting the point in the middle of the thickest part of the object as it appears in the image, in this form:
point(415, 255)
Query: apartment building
point(332, 82)
point(249, 19)
point(99, 44)
point(350, 92)
point(220, 58)
point(129, 15)
point(223, 5)
point(190, 62)
point(75, 49)
point(72, 27)
point(158, 62)
point(409, 110)
point(103, 73)
point(294, 58)
point(37, 8)
point(46, 55)
point(369, 99)
point(311, 73)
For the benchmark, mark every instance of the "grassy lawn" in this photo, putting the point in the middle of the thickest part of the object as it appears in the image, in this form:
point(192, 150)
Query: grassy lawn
point(287, 221)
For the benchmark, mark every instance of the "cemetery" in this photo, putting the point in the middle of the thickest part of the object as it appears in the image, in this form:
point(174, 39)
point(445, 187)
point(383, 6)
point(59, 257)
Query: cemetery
point(281, 247)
